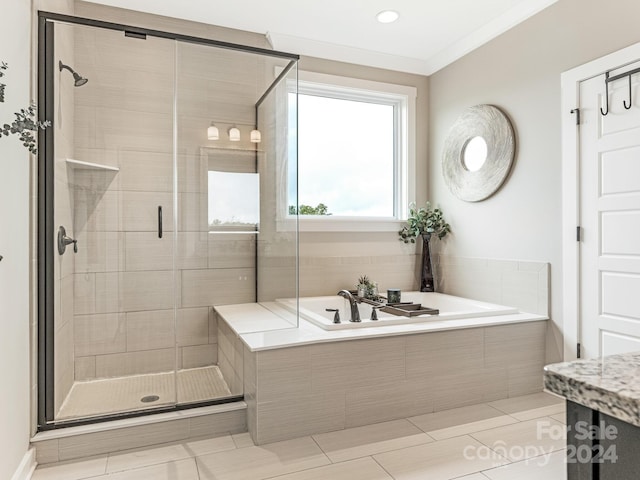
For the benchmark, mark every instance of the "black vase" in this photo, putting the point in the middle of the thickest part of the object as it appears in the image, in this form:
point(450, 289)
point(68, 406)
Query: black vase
point(427, 281)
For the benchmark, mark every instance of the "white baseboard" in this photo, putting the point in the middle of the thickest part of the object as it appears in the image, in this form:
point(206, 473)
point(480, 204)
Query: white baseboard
point(26, 467)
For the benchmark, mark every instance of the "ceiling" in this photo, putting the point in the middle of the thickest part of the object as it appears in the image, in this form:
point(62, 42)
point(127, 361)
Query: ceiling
point(429, 35)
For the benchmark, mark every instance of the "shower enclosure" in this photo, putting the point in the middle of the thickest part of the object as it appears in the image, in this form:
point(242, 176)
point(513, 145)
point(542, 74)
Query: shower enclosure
point(159, 197)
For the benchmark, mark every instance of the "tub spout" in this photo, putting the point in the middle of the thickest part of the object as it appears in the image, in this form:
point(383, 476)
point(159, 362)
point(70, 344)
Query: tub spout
point(355, 313)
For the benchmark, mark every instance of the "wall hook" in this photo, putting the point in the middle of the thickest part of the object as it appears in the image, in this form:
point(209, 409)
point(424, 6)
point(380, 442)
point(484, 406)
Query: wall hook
point(624, 102)
point(606, 84)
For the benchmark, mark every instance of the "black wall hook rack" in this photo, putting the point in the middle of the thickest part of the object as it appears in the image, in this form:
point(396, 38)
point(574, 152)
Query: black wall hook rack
point(608, 80)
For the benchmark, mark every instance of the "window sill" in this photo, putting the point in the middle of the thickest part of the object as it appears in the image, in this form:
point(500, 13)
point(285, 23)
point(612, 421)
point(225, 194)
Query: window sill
point(341, 224)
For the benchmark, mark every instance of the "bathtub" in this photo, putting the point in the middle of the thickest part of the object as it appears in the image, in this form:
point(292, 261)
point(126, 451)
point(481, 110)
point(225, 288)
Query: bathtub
point(313, 309)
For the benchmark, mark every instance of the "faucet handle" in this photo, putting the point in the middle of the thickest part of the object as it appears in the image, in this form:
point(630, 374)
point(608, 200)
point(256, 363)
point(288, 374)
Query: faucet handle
point(374, 313)
point(336, 316)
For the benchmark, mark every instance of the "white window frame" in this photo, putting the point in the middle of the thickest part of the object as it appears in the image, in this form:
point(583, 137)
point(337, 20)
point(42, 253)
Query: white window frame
point(403, 98)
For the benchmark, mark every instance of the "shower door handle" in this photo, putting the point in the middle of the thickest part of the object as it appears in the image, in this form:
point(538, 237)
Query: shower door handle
point(159, 221)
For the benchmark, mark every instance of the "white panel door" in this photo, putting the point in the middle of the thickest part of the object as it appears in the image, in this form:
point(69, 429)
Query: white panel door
point(610, 217)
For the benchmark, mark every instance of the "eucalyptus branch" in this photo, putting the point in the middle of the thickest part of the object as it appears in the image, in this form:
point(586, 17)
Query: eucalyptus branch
point(3, 67)
point(421, 221)
point(25, 124)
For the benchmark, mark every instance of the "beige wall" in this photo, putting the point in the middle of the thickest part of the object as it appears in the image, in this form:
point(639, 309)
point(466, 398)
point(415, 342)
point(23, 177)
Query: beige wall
point(520, 73)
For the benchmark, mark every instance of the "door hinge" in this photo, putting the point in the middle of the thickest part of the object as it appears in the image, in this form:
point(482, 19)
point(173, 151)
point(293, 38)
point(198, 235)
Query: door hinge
point(578, 351)
point(578, 233)
point(577, 112)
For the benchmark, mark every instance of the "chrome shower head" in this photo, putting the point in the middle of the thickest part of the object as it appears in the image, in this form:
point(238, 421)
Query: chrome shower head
point(79, 80)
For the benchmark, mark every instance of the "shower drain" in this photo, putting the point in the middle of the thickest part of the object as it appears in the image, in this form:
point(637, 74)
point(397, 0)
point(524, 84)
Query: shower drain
point(150, 398)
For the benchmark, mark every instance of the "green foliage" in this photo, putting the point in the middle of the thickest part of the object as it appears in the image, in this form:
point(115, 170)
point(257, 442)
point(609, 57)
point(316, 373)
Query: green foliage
point(3, 67)
point(425, 220)
point(25, 124)
point(321, 209)
point(368, 286)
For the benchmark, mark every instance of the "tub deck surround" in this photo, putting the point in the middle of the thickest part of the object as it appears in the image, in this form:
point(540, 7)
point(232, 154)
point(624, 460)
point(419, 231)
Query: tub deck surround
point(260, 328)
point(306, 380)
point(610, 385)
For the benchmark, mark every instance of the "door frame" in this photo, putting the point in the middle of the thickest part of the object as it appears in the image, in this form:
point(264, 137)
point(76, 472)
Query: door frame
point(570, 99)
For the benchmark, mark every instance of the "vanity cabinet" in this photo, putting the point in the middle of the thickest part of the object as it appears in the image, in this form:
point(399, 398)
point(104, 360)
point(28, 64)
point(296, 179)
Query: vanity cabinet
point(600, 447)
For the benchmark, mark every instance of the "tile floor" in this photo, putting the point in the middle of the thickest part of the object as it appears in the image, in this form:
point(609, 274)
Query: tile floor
point(519, 438)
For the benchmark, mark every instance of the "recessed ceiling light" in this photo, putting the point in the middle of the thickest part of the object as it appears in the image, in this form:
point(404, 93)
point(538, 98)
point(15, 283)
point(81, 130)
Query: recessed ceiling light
point(387, 16)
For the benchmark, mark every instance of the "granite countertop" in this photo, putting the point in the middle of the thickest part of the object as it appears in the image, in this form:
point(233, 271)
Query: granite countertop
point(610, 385)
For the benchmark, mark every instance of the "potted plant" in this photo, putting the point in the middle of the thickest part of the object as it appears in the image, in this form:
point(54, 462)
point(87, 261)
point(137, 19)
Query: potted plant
point(423, 223)
point(365, 288)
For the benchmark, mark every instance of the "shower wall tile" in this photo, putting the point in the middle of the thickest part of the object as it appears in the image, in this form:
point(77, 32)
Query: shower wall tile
point(140, 211)
point(151, 329)
point(143, 90)
point(193, 211)
point(132, 130)
point(145, 251)
point(97, 210)
point(122, 268)
point(193, 326)
point(66, 302)
point(85, 368)
point(199, 356)
point(134, 363)
point(63, 363)
point(192, 250)
point(107, 292)
point(147, 290)
point(102, 156)
point(213, 326)
point(231, 250)
point(100, 334)
point(100, 252)
point(217, 287)
point(193, 173)
point(146, 171)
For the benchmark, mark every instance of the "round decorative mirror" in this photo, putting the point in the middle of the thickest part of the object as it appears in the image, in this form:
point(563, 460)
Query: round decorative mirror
point(478, 153)
point(475, 154)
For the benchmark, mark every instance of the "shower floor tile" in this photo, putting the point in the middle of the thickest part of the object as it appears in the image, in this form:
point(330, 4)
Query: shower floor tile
point(122, 394)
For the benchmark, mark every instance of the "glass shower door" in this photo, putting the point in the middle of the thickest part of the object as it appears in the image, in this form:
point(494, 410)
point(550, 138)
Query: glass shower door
point(115, 313)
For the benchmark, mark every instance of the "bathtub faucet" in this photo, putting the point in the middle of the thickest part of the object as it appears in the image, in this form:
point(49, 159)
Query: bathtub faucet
point(355, 313)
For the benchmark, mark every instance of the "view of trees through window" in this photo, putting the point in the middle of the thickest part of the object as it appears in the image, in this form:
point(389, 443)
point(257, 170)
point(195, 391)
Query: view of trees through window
point(346, 162)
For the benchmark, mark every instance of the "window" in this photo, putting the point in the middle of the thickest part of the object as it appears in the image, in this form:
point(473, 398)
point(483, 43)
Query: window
point(355, 153)
point(234, 201)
